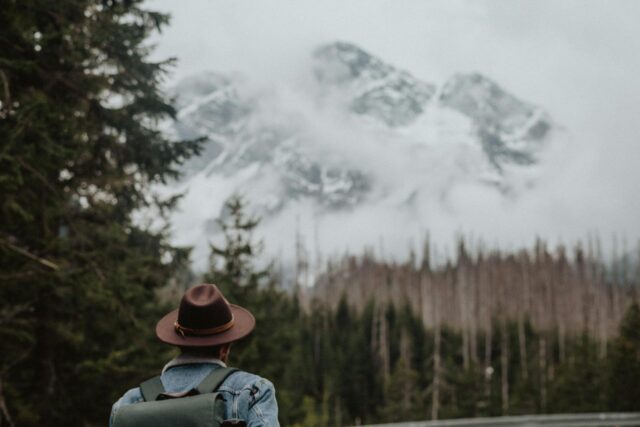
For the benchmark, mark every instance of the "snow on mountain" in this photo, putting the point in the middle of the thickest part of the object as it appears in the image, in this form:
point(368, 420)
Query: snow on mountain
point(367, 145)
point(375, 88)
point(510, 130)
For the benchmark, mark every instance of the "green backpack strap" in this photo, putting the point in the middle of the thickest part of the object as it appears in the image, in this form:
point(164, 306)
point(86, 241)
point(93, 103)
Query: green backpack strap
point(214, 379)
point(151, 389)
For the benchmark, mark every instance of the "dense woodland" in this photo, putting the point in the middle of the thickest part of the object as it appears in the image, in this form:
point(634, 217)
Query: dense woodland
point(79, 152)
point(483, 334)
point(82, 285)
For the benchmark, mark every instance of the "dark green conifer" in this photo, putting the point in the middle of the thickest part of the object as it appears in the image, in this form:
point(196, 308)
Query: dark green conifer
point(79, 152)
point(274, 349)
point(579, 385)
point(624, 364)
point(232, 266)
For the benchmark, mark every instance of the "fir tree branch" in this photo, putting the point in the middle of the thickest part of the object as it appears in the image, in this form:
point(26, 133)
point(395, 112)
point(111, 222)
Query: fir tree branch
point(34, 171)
point(6, 101)
point(9, 315)
point(50, 264)
point(3, 407)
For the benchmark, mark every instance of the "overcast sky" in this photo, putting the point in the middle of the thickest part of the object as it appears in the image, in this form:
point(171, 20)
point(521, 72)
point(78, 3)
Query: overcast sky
point(556, 53)
point(580, 60)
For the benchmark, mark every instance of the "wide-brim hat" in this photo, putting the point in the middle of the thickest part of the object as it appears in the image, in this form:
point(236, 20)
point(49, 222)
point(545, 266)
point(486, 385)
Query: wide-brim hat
point(205, 318)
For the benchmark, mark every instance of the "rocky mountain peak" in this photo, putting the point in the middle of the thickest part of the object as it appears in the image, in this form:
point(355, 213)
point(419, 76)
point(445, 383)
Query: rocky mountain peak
point(511, 130)
point(342, 62)
point(488, 104)
point(373, 87)
point(373, 136)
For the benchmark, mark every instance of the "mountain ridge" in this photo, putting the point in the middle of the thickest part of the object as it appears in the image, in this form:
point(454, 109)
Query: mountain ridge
point(378, 137)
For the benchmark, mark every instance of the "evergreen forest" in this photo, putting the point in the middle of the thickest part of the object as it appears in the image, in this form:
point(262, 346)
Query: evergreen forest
point(82, 284)
point(485, 334)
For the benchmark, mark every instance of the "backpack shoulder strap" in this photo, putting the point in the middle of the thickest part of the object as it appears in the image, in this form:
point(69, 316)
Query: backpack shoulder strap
point(151, 389)
point(214, 379)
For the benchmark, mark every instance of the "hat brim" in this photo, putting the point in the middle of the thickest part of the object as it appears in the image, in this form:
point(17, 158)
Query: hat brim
point(243, 324)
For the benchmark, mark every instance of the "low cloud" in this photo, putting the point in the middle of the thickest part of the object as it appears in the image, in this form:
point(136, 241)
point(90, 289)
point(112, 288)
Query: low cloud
point(575, 59)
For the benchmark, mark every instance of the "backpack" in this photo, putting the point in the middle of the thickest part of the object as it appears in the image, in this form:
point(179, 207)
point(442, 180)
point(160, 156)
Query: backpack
point(200, 407)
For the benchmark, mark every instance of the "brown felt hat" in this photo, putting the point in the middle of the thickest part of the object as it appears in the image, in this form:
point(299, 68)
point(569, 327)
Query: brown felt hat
point(204, 319)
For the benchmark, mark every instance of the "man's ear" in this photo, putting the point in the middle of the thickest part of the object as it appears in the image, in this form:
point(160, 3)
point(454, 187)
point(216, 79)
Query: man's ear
point(224, 352)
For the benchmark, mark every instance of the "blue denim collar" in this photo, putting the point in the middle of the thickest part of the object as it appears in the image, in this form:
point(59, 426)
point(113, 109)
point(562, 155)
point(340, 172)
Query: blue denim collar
point(185, 359)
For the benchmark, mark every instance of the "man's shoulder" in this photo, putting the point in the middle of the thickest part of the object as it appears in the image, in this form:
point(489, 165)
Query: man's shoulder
point(236, 381)
point(243, 380)
point(188, 376)
point(250, 397)
point(131, 396)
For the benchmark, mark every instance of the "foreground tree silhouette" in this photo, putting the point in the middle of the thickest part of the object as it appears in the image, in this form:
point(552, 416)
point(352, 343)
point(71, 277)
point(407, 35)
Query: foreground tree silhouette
point(79, 103)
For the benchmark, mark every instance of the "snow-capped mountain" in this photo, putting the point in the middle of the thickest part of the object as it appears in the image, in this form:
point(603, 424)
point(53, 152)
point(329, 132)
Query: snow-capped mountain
point(359, 136)
point(375, 89)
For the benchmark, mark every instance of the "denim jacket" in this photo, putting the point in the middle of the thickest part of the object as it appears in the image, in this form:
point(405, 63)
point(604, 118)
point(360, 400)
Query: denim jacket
point(248, 397)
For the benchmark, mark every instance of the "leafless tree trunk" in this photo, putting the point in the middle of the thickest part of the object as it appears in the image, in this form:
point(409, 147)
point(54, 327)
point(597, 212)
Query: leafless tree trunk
point(384, 347)
point(562, 343)
point(407, 386)
point(542, 354)
point(504, 365)
point(437, 371)
point(522, 341)
point(488, 369)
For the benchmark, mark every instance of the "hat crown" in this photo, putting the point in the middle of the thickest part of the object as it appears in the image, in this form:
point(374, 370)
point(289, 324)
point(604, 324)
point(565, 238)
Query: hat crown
point(205, 318)
point(204, 307)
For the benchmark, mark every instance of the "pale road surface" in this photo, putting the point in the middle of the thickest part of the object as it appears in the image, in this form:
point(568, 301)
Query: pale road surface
point(558, 420)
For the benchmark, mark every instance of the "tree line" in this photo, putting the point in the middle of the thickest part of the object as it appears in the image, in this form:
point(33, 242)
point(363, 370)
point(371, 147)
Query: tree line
point(374, 341)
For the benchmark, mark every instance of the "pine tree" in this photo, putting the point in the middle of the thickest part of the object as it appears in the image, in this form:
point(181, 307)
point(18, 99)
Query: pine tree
point(401, 391)
point(624, 364)
point(232, 266)
point(274, 349)
point(79, 152)
point(580, 382)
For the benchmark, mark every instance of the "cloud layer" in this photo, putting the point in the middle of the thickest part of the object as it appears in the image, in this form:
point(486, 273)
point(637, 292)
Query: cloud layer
point(578, 60)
